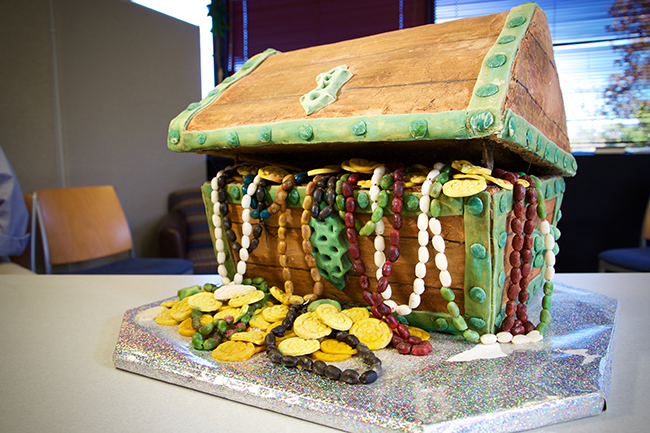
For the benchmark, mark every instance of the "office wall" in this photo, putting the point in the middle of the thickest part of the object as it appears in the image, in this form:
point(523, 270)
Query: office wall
point(88, 90)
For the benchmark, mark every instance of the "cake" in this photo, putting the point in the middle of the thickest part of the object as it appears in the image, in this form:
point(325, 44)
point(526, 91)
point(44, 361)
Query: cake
point(418, 172)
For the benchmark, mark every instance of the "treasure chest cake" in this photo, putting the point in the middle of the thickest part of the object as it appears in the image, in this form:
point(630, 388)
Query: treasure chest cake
point(418, 172)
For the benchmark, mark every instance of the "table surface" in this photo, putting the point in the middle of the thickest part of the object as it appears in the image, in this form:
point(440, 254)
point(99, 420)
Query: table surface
point(60, 333)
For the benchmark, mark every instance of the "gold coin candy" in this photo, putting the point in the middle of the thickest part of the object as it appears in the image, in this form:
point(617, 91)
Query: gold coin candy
point(275, 313)
point(418, 332)
point(233, 351)
point(362, 165)
point(309, 326)
point(330, 357)
point(463, 187)
point(181, 310)
point(232, 290)
point(165, 318)
point(272, 173)
point(259, 322)
point(357, 313)
point(469, 168)
point(255, 337)
point(336, 347)
point(204, 301)
point(249, 298)
point(332, 317)
point(296, 346)
point(372, 332)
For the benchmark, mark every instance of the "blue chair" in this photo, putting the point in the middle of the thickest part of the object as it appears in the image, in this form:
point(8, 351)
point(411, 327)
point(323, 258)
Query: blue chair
point(629, 259)
point(84, 231)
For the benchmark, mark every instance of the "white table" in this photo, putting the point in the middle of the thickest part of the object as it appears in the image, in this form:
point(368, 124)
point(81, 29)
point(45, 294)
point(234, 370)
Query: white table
point(60, 331)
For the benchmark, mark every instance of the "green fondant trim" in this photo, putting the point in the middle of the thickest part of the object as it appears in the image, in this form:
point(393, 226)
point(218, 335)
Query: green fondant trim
point(497, 69)
point(524, 135)
point(501, 206)
point(178, 124)
point(397, 127)
point(478, 259)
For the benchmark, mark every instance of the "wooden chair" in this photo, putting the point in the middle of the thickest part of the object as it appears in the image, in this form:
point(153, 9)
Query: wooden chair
point(84, 230)
point(629, 259)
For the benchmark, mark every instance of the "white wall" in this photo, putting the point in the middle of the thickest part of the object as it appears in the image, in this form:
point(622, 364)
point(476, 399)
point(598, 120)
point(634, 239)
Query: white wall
point(123, 72)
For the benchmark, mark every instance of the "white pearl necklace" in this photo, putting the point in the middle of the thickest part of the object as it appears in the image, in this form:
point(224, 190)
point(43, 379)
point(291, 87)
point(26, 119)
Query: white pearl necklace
point(247, 230)
point(438, 243)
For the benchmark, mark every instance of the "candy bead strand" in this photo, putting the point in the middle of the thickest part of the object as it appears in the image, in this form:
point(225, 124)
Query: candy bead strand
point(280, 205)
point(220, 211)
point(247, 230)
point(307, 248)
point(320, 368)
point(549, 274)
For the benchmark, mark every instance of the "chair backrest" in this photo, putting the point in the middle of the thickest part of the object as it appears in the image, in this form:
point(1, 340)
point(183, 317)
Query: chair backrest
point(81, 224)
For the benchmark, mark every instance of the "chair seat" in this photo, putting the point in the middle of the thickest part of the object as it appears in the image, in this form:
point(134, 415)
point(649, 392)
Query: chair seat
point(634, 259)
point(143, 266)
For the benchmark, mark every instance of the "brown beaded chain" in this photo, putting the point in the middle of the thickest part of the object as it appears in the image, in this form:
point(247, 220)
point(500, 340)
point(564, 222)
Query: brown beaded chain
point(516, 320)
point(306, 243)
point(280, 204)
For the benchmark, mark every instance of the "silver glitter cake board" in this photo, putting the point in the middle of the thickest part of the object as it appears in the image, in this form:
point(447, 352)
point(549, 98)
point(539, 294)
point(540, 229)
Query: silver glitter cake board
point(562, 378)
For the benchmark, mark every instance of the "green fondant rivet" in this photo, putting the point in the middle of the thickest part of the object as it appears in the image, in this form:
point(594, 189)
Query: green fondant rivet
point(359, 128)
point(418, 128)
point(538, 261)
point(503, 203)
point(556, 233)
point(174, 136)
point(412, 203)
point(193, 106)
point(556, 249)
point(503, 238)
point(502, 278)
point(574, 163)
point(476, 323)
point(549, 190)
point(474, 205)
point(541, 145)
point(264, 135)
point(506, 39)
point(294, 196)
point(558, 186)
point(201, 137)
point(516, 21)
point(440, 324)
point(557, 156)
point(305, 131)
point(538, 243)
point(477, 294)
point(512, 126)
point(529, 139)
point(235, 193)
point(435, 208)
point(213, 91)
point(452, 308)
point(565, 161)
point(482, 121)
point(497, 60)
point(478, 251)
point(447, 294)
point(549, 155)
point(228, 79)
point(232, 138)
point(559, 216)
point(459, 323)
point(471, 336)
point(487, 90)
point(363, 200)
